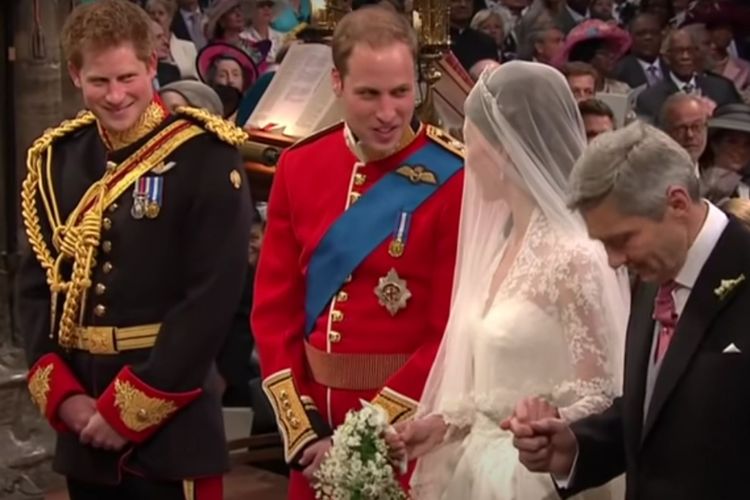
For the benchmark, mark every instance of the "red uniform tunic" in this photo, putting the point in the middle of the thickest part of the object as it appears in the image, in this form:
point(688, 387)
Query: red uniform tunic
point(316, 181)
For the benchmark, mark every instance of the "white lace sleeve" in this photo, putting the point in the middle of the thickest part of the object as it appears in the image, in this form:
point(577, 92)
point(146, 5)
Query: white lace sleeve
point(589, 329)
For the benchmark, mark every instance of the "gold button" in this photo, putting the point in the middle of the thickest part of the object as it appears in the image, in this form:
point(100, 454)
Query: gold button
point(283, 395)
point(113, 207)
point(99, 289)
point(334, 336)
point(107, 246)
point(289, 414)
point(294, 423)
point(342, 296)
point(107, 267)
point(107, 223)
point(353, 197)
point(286, 404)
point(359, 179)
point(141, 415)
point(100, 310)
point(337, 316)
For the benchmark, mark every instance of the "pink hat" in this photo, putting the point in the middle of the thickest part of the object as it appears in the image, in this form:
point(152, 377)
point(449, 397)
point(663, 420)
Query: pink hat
point(594, 29)
point(220, 50)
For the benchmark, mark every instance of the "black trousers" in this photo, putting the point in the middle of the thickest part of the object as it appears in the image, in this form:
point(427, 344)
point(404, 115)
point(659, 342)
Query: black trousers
point(131, 488)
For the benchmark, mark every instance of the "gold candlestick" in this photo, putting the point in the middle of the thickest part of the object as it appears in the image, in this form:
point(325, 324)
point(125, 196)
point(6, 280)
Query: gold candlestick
point(431, 20)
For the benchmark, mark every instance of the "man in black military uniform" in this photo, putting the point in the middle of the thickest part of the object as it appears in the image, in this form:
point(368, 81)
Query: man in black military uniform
point(138, 225)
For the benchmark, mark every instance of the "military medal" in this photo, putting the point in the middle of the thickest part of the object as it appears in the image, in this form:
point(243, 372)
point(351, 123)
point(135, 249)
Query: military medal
point(398, 243)
point(140, 198)
point(392, 292)
point(155, 190)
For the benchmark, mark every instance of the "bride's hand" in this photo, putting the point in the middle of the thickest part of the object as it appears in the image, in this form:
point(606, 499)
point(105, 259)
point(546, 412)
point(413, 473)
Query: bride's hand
point(396, 447)
point(530, 410)
point(422, 435)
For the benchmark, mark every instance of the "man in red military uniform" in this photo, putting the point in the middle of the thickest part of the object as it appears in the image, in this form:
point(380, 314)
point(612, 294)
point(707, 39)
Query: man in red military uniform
point(355, 276)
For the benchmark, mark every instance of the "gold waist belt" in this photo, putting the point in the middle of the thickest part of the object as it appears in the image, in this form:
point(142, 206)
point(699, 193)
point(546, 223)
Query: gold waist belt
point(112, 339)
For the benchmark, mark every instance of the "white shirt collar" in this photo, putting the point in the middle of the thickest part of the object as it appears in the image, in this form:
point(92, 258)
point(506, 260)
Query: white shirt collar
point(702, 247)
point(645, 65)
point(680, 84)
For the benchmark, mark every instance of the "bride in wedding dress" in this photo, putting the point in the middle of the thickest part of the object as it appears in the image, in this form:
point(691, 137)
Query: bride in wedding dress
point(536, 309)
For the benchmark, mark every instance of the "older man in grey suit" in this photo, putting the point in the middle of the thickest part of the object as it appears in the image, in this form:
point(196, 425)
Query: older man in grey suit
point(680, 429)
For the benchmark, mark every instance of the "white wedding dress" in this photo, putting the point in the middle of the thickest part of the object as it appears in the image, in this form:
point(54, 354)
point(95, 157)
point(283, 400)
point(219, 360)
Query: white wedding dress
point(540, 336)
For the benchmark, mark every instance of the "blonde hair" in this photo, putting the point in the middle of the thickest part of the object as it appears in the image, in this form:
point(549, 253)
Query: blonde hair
point(170, 6)
point(373, 25)
point(106, 24)
point(739, 207)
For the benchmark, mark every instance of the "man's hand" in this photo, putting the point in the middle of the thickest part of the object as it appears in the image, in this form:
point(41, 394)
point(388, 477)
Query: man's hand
point(313, 456)
point(99, 434)
point(422, 435)
point(76, 411)
point(546, 445)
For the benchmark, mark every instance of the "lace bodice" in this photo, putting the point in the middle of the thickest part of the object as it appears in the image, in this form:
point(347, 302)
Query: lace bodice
point(543, 334)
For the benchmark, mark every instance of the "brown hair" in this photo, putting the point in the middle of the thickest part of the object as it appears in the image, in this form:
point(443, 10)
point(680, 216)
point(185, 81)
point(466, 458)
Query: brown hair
point(595, 107)
point(374, 25)
point(739, 207)
point(578, 68)
point(106, 24)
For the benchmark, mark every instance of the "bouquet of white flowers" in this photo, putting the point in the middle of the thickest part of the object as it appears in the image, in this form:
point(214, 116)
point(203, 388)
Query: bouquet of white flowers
point(357, 466)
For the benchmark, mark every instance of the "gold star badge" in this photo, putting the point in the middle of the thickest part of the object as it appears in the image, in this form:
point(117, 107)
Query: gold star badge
point(236, 179)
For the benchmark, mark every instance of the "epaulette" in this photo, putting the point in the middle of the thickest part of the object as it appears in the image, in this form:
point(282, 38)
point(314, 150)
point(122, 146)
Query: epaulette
point(225, 130)
point(444, 139)
point(66, 127)
point(316, 135)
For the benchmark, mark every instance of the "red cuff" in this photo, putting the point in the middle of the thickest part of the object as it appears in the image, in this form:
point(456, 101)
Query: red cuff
point(135, 409)
point(50, 383)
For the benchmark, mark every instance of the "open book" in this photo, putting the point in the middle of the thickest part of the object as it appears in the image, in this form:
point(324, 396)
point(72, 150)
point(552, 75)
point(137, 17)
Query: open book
point(300, 99)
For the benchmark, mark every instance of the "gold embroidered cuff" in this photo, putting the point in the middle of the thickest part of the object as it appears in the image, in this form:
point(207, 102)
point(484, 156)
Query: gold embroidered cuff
point(50, 382)
point(291, 412)
point(135, 409)
point(398, 406)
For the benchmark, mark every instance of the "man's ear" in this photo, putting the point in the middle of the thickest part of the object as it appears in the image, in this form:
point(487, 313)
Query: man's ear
point(337, 81)
point(75, 74)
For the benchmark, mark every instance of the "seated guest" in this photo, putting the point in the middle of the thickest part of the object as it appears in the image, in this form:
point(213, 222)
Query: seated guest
point(722, 25)
point(597, 117)
point(582, 80)
point(467, 44)
point(644, 65)
point(190, 93)
point(684, 117)
point(491, 23)
point(681, 51)
point(601, 45)
point(292, 14)
point(261, 15)
point(728, 156)
point(189, 23)
point(603, 10)
point(224, 64)
point(166, 71)
point(226, 24)
point(542, 44)
point(182, 53)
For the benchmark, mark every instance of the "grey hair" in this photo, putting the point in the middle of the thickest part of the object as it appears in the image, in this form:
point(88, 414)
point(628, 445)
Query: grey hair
point(635, 165)
point(692, 33)
point(672, 102)
point(483, 16)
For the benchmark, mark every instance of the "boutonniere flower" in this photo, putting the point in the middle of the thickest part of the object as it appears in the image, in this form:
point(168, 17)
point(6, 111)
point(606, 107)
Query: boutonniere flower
point(727, 286)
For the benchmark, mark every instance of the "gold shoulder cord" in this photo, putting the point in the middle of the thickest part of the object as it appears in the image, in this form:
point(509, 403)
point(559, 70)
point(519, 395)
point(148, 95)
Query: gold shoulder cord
point(66, 238)
point(74, 239)
point(225, 130)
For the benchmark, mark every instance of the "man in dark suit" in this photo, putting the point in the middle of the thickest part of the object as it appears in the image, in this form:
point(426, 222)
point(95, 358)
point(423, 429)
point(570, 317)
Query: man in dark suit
point(467, 44)
point(681, 52)
point(679, 431)
point(643, 66)
point(189, 22)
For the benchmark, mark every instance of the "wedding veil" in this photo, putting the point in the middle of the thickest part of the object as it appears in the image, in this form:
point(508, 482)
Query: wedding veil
point(522, 126)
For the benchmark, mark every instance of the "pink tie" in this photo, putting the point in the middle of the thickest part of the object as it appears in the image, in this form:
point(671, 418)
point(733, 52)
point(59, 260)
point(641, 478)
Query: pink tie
point(666, 314)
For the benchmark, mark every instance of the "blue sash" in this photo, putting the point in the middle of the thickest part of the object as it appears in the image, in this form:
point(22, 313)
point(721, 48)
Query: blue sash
point(365, 225)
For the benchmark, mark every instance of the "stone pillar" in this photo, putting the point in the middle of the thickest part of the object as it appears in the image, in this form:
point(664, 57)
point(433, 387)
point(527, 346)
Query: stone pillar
point(41, 99)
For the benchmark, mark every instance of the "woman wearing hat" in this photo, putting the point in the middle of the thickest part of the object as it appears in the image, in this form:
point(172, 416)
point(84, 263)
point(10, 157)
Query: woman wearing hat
point(728, 154)
point(226, 24)
point(261, 16)
point(600, 44)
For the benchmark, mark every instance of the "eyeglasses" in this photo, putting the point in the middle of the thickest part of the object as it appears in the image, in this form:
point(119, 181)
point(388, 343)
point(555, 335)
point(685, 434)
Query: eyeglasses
point(690, 128)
